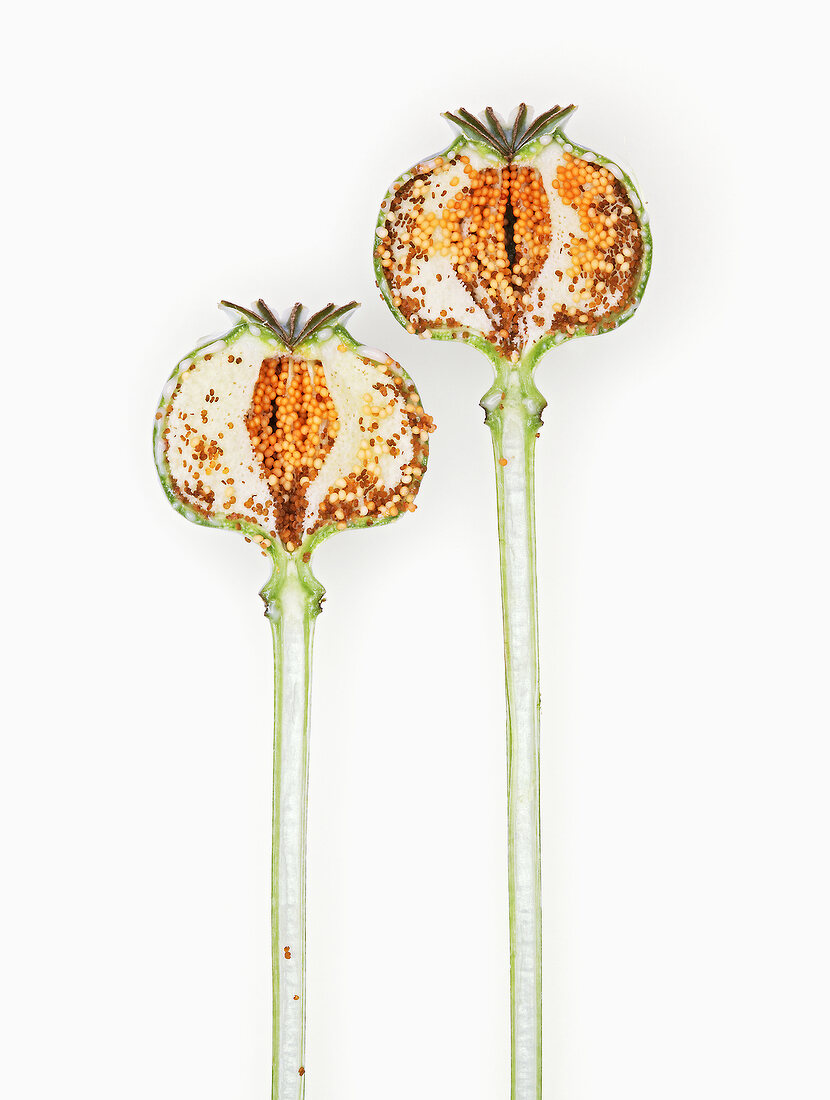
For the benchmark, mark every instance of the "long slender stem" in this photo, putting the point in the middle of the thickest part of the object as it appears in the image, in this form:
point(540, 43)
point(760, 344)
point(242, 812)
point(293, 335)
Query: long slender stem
point(292, 599)
point(513, 408)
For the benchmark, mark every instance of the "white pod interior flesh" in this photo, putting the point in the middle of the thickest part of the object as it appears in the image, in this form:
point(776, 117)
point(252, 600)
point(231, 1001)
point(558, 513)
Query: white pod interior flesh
point(290, 442)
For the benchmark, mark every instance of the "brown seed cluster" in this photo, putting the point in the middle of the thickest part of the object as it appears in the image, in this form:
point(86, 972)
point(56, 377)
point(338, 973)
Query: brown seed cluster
point(292, 423)
point(609, 253)
point(360, 494)
point(500, 258)
point(494, 225)
point(472, 227)
point(504, 245)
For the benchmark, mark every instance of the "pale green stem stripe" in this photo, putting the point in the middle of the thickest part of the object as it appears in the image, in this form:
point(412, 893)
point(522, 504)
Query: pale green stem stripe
point(292, 602)
point(513, 409)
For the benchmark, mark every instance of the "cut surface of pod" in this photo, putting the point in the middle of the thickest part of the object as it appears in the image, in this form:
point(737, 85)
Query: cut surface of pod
point(289, 439)
point(513, 235)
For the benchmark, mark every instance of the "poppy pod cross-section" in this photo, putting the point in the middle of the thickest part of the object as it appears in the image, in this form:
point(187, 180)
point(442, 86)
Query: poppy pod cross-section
point(289, 432)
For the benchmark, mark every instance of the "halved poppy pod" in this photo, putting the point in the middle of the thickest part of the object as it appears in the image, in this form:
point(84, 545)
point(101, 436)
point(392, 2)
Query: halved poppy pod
point(515, 236)
point(514, 239)
point(289, 432)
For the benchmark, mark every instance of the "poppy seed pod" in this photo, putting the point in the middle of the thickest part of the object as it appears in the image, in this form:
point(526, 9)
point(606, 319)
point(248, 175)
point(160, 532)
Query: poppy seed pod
point(289, 433)
point(515, 236)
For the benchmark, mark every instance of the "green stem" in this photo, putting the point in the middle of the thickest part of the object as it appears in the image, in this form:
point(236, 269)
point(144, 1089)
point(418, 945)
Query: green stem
point(292, 599)
point(513, 407)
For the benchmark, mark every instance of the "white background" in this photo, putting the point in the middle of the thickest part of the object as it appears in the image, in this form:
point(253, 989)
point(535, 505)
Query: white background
point(164, 155)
